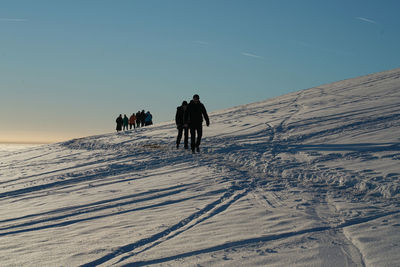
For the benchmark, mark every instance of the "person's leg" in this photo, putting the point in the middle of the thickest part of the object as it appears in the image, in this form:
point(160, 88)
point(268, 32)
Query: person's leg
point(199, 135)
point(179, 137)
point(192, 138)
point(186, 137)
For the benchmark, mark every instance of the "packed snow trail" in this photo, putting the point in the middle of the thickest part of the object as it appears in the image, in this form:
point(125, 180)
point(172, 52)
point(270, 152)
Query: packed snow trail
point(309, 178)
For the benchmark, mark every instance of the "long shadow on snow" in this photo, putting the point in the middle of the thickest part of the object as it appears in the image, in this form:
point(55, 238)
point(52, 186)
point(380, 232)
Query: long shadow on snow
point(69, 222)
point(113, 169)
point(182, 229)
point(175, 227)
point(97, 183)
point(104, 159)
point(87, 164)
point(76, 144)
point(90, 207)
point(246, 242)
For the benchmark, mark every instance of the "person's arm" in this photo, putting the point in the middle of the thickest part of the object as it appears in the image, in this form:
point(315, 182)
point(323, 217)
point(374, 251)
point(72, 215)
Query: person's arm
point(177, 117)
point(204, 111)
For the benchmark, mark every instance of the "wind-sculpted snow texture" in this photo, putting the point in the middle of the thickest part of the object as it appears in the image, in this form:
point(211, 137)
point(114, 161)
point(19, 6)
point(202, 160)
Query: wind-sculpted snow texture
point(307, 179)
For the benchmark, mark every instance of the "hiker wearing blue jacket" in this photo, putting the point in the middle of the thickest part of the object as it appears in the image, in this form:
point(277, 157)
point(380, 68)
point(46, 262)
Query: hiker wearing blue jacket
point(148, 119)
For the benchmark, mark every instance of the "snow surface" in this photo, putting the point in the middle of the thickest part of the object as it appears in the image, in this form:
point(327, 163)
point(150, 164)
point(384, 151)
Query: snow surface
point(306, 179)
point(6, 148)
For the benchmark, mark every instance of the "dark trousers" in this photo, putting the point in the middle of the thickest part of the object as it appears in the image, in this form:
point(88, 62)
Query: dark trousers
point(198, 128)
point(132, 125)
point(182, 130)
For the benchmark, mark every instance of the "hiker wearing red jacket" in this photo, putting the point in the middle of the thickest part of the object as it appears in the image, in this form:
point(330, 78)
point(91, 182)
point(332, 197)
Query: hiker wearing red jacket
point(132, 121)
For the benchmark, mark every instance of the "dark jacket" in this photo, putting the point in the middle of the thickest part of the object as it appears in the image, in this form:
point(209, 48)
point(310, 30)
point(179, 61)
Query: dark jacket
point(142, 116)
point(138, 117)
point(196, 112)
point(119, 122)
point(181, 117)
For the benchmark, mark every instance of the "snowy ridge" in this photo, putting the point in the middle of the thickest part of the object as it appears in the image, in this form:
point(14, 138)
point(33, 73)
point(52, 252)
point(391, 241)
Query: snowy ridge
point(308, 178)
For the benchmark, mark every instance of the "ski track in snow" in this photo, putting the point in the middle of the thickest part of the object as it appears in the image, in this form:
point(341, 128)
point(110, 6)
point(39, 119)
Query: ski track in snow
point(311, 164)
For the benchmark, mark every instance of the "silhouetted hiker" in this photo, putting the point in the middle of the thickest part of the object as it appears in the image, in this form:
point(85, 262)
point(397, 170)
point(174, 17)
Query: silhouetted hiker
point(196, 112)
point(138, 119)
point(182, 124)
point(142, 117)
point(126, 122)
point(119, 122)
point(149, 119)
point(132, 121)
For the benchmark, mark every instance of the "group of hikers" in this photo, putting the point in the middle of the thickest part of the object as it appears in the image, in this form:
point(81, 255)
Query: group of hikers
point(188, 119)
point(140, 119)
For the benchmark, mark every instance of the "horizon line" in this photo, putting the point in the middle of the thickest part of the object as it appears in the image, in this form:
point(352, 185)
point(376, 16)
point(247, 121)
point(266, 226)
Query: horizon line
point(25, 142)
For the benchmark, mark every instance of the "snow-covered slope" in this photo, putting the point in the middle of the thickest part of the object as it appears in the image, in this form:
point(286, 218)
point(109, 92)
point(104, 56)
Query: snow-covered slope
point(307, 179)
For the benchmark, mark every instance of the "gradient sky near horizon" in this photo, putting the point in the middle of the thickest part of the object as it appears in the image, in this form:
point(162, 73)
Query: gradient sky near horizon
point(69, 68)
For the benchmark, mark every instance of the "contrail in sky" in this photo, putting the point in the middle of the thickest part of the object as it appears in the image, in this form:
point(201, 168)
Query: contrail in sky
point(12, 20)
point(366, 20)
point(201, 42)
point(250, 55)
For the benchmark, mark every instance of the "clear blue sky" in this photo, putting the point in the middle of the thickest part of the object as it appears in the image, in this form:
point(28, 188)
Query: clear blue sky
point(69, 68)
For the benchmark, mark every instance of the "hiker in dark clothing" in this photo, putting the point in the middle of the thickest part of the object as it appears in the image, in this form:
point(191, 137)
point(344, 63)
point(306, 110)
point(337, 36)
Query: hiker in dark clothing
point(138, 120)
point(142, 118)
point(182, 124)
point(119, 122)
point(126, 122)
point(196, 112)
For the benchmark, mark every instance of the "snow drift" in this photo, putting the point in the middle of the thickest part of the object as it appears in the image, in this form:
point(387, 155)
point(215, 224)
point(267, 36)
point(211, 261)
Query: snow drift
point(308, 178)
